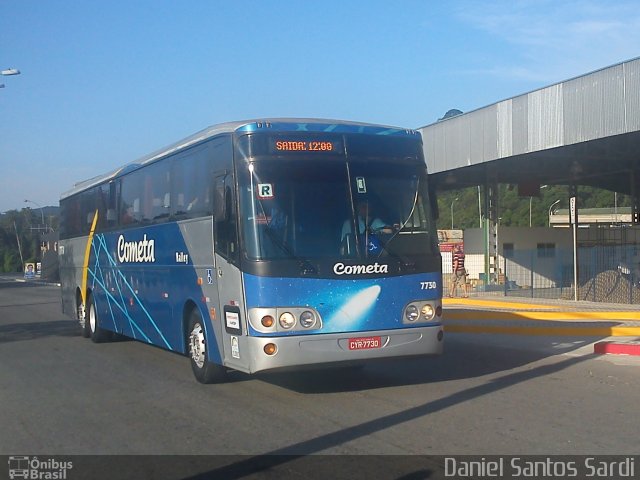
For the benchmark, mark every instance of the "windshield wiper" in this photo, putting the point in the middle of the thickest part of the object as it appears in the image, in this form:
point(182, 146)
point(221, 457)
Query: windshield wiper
point(306, 267)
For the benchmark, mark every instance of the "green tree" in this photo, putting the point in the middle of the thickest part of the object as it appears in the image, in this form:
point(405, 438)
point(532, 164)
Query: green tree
point(516, 211)
point(18, 226)
point(11, 262)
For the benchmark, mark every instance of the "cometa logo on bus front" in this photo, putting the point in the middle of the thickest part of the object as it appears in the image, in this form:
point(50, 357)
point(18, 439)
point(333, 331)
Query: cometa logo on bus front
point(342, 269)
point(136, 252)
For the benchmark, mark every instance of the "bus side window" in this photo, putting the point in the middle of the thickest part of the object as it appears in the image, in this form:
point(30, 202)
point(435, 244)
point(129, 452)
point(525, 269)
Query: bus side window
point(112, 216)
point(190, 183)
point(158, 197)
point(88, 206)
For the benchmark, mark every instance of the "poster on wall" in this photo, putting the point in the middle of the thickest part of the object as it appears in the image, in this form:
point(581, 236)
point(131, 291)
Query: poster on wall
point(29, 270)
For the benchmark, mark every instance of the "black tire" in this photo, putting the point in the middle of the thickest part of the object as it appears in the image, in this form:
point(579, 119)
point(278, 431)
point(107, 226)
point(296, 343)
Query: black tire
point(97, 334)
point(82, 319)
point(204, 370)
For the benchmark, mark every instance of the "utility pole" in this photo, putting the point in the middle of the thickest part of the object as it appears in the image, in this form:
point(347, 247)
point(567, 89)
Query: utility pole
point(19, 245)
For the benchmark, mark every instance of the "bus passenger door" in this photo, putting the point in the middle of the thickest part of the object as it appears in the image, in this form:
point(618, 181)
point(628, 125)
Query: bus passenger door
point(229, 278)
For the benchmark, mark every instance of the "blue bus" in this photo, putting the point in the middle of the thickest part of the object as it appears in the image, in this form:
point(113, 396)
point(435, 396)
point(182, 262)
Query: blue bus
point(259, 245)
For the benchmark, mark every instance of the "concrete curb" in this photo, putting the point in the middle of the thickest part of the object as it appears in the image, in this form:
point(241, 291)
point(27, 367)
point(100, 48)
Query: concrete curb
point(492, 316)
point(617, 348)
point(37, 282)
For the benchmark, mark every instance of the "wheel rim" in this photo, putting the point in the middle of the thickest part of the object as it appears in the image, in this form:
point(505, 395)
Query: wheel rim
point(92, 318)
point(82, 315)
point(197, 346)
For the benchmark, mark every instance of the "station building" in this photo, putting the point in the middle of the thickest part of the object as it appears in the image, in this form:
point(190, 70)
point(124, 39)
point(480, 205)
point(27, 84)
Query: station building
point(583, 131)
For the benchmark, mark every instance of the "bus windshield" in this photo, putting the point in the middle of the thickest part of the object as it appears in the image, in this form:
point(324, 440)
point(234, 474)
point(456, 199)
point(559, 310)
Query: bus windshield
point(361, 208)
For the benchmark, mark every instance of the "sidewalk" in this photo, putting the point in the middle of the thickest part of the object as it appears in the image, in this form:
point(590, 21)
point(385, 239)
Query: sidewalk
point(9, 278)
point(488, 301)
point(524, 316)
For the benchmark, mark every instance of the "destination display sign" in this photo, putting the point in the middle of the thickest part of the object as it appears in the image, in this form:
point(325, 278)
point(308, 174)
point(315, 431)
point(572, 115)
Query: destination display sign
point(296, 144)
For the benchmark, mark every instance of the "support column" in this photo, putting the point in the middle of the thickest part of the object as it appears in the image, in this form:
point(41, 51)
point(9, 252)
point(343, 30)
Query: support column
point(635, 197)
point(490, 230)
point(574, 221)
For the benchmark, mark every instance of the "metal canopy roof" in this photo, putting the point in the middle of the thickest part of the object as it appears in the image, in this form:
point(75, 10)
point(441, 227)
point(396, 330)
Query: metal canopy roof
point(584, 131)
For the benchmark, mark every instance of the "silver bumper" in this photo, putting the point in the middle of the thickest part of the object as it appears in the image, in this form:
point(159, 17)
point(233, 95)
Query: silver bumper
point(334, 347)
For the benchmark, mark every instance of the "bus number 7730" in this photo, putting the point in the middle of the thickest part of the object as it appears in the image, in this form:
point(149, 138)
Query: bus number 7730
point(261, 245)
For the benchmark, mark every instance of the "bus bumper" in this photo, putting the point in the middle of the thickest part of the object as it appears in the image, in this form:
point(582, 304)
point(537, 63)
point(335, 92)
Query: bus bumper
point(301, 350)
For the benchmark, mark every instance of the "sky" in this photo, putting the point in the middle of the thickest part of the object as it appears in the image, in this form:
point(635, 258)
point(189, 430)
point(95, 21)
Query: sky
point(104, 83)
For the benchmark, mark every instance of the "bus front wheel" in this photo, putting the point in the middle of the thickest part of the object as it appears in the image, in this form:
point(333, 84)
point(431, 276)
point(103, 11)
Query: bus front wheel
point(204, 370)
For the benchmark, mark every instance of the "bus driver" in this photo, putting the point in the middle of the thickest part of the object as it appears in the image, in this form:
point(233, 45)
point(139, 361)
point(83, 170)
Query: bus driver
point(376, 225)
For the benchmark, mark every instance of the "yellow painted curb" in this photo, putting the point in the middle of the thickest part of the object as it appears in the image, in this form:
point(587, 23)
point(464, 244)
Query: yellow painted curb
point(555, 316)
point(495, 304)
point(547, 331)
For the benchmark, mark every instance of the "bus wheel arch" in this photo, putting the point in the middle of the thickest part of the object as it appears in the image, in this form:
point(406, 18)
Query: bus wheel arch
point(189, 306)
point(196, 347)
point(92, 322)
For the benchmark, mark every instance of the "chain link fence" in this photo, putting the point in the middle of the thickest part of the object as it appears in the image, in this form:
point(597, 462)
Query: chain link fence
point(606, 274)
point(609, 274)
point(608, 268)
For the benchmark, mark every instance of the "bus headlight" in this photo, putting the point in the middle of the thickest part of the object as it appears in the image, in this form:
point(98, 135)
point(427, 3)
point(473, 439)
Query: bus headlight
point(411, 313)
point(427, 312)
point(287, 320)
point(421, 311)
point(280, 319)
point(307, 319)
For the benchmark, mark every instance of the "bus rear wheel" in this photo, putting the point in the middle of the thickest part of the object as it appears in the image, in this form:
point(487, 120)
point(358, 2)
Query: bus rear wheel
point(82, 319)
point(97, 334)
point(204, 370)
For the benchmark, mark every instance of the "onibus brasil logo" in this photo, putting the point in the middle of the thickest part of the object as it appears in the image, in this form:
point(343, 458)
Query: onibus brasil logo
point(38, 469)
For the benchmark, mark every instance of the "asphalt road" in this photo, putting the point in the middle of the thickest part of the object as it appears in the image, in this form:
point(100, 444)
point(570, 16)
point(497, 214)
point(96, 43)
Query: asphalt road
point(60, 394)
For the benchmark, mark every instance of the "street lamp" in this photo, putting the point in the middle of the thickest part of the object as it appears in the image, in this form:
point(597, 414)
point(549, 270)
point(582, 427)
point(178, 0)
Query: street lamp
point(41, 212)
point(530, 200)
point(454, 201)
point(550, 207)
point(8, 72)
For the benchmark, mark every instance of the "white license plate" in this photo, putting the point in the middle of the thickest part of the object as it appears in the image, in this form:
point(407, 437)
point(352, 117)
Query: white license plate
point(364, 343)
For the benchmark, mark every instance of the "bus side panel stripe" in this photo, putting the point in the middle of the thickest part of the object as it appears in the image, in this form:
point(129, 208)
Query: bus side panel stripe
point(87, 253)
point(122, 307)
point(98, 269)
point(103, 246)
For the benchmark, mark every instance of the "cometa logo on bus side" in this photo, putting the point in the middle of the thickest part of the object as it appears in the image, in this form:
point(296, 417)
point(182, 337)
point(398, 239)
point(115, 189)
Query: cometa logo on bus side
point(142, 251)
point(342, 269)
